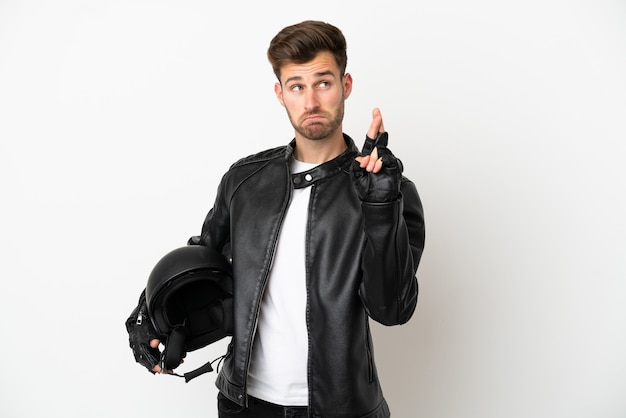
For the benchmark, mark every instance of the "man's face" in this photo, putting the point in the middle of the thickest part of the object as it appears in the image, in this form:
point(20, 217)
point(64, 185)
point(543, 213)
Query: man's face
point(313, 95)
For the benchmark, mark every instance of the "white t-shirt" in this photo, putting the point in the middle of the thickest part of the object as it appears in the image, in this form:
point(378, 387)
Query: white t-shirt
point(278, 369)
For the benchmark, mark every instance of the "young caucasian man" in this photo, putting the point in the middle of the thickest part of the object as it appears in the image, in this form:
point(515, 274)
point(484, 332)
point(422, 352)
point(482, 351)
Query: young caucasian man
point(323, 237)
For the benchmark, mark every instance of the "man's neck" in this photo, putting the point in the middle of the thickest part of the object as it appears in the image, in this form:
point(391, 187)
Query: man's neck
point(319, 151)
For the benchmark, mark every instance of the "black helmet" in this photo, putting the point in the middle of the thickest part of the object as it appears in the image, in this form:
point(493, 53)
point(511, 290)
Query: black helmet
point(189, 299)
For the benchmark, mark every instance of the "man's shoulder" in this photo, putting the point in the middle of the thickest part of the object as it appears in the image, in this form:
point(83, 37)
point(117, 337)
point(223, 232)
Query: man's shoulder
point(261, 157)
point(245, 168)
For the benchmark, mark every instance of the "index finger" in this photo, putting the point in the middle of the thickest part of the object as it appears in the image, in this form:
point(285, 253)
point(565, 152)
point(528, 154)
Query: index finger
point(377, 124)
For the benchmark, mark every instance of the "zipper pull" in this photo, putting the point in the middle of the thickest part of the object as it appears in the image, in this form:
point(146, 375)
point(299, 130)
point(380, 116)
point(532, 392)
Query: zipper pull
point(139, 318)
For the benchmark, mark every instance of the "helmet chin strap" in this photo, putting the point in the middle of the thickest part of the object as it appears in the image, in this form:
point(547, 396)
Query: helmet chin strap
point(205, 368)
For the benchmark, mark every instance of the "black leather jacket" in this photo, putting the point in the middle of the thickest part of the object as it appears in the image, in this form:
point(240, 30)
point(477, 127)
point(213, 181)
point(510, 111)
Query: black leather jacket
point(361, 261)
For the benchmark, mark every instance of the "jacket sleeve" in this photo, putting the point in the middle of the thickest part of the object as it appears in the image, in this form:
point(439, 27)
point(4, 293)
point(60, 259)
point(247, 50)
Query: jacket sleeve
point(216, 227)
point(393, 248)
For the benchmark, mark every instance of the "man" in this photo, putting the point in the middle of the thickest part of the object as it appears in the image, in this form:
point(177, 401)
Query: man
point(322, 238)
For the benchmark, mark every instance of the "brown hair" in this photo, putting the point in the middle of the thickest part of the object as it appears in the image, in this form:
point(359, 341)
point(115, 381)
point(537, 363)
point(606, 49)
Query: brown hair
point(301, 42)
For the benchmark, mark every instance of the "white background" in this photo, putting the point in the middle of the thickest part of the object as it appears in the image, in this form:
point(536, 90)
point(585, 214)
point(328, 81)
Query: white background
point(118, 117)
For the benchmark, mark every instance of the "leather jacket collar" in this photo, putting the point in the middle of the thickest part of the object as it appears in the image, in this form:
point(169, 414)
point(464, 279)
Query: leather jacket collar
point(324, 170)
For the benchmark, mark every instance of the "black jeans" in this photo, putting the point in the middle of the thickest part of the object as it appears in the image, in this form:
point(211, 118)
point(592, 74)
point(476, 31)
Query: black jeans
point(258, 409)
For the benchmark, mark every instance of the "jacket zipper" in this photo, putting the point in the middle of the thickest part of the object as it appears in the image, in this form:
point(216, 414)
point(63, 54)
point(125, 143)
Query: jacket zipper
point(308, 286)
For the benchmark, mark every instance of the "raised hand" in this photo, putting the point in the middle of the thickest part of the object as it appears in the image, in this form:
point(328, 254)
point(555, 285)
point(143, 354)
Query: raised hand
point(376, 172)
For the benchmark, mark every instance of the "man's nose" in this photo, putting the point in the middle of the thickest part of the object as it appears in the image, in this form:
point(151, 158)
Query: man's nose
point(311, 101)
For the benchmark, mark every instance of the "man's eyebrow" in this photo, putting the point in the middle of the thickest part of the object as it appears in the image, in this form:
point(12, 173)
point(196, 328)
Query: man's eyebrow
point(324, 74)
point(294, 78)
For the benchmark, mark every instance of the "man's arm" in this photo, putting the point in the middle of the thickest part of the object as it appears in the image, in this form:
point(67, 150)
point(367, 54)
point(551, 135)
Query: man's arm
point(394, 226)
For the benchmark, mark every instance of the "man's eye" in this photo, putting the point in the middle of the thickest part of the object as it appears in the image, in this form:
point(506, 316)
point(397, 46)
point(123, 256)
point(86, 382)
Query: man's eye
point(324, 84)
point(296, 88)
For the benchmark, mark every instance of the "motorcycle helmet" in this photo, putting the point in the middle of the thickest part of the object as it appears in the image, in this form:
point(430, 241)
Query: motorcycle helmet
point(189, 300)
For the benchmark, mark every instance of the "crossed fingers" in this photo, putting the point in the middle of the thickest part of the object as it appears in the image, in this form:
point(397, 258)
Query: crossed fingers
point(372, 163)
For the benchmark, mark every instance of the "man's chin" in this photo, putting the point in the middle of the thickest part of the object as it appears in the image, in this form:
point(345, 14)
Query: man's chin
point(314, 133)
point(316, 137)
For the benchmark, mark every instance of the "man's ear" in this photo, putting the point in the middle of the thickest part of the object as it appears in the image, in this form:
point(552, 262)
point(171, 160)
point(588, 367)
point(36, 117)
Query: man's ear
point(278, 91)
point(347, 85)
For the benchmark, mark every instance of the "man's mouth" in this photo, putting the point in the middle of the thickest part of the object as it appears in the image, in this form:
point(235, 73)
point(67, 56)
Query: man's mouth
point(313, 118)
